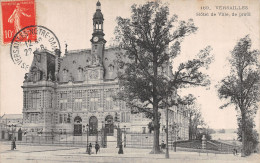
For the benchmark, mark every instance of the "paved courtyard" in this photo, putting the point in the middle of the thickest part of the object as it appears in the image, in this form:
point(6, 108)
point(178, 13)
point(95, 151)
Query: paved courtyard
point(33, 154)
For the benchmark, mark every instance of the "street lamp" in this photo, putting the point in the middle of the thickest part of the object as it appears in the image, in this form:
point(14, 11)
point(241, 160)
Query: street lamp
point(167, 119)
point(87, 141)
point(167, 128)
point(125, 136)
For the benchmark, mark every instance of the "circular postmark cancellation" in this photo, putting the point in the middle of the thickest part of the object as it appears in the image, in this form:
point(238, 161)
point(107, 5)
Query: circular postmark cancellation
point(30, 39)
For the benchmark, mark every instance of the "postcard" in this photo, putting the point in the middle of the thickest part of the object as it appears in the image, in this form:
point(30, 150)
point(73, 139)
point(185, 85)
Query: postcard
point(67, 94)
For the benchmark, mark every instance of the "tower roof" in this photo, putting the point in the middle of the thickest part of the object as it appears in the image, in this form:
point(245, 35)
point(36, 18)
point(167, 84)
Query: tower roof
point(98, 14)
point(98, 4)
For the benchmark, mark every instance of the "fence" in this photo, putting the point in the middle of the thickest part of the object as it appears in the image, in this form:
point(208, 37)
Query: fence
point(131, 140)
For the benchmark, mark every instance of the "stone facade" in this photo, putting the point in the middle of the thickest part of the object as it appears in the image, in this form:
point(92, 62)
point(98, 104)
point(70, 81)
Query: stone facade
point(11, 126)
point(73, 92)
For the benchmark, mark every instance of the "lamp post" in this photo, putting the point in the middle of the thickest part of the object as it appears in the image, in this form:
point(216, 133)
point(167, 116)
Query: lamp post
point(87, 141)
point(167, 127)
point(124, 136)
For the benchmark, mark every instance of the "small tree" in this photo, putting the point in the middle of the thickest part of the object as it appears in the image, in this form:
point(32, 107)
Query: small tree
point(241, 87)
point(150, 40)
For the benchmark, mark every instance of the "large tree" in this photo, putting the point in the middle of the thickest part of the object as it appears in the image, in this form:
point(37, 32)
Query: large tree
point(241, 87)
point(150, 40)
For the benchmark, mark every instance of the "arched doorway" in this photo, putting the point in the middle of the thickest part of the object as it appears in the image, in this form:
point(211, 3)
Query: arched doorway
point(3, 134)
point(109, 125)
point(77, 126)
point(20, 133)
point(93, 125)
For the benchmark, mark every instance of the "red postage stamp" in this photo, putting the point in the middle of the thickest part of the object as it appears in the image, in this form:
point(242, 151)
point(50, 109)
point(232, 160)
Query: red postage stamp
point(15, 16)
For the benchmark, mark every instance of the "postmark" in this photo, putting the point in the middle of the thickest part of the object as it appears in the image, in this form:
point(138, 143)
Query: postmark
point(15, 16)
point(24, 44)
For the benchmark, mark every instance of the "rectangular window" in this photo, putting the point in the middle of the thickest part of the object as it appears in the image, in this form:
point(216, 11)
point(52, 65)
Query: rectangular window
point(65, 118)
point(63, 95)
point(60, 119)
point(63, 100)
point(52, 119)
point(127, 117)
point(26, 99)
point(36, 100)
point(94, 100)
point(123, 117)
point(144, 128)
point(51, 100)
point(109, 101)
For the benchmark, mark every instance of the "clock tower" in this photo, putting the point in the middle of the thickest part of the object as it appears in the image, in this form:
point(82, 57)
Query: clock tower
point(97, 40)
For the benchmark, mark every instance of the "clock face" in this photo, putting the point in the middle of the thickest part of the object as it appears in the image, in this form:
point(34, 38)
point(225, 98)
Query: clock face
point(95, 39)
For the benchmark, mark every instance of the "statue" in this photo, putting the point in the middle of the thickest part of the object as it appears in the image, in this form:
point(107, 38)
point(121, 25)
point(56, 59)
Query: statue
point(50, 76)
point(44, 76)
point(71, 77)
point(95, 60)
point(26, 77)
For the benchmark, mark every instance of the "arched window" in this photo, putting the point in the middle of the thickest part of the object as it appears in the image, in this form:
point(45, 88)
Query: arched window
point(93, 125)
point(77, 126)
point(111, 67)
point(80, 73)
point(109, 125)
point(65, 75)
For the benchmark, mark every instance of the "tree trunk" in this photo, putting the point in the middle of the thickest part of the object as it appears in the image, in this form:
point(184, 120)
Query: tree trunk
point(243, 135)
point(156, 147)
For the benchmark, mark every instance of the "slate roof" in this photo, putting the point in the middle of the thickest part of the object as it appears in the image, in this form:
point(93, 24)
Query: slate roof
point(73, 60)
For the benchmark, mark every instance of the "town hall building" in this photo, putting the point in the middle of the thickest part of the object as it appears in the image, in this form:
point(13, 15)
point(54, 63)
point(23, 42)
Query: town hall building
point(73, 93)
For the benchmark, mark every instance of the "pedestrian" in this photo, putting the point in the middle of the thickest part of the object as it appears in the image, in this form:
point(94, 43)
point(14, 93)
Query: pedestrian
point(121, 148)
point(13, 144)
point(97, 147)
point(90, 147)
point(162, 145)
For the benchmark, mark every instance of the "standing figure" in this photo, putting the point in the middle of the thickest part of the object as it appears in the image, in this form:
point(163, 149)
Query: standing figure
point(15, 17)
point(162, 145)
point(97, 147)
point(90, 148)
point(121, 148)
point(13, 146)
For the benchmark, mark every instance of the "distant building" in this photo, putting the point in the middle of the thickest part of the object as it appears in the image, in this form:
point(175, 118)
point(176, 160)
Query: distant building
point(11, 125)
point(73, 93)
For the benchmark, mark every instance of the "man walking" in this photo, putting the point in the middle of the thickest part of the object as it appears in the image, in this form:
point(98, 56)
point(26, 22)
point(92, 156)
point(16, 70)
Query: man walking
point(97, 147)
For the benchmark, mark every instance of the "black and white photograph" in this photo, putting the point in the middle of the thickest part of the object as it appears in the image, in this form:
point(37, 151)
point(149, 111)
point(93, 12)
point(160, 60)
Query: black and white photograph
point(129, 81)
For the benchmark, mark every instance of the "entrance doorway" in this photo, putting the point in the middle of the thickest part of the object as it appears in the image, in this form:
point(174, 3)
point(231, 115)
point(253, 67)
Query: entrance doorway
point(93, 125)
point(20, 134)
point(77, 126)
point(109, 125)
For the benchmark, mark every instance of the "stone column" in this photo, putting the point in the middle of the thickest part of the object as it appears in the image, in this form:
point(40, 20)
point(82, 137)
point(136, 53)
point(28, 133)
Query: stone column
point(203, 142)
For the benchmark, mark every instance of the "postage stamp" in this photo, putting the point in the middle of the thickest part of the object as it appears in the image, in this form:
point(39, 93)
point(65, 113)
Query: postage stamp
point(25, 43)
point(15, 16)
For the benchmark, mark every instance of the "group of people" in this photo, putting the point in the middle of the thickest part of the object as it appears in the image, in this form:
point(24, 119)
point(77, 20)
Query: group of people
point(89, 148)
point(235, 151)
point(97, 147)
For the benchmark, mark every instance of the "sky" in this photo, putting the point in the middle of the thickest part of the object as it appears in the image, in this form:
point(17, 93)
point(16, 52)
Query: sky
point(71, 21)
